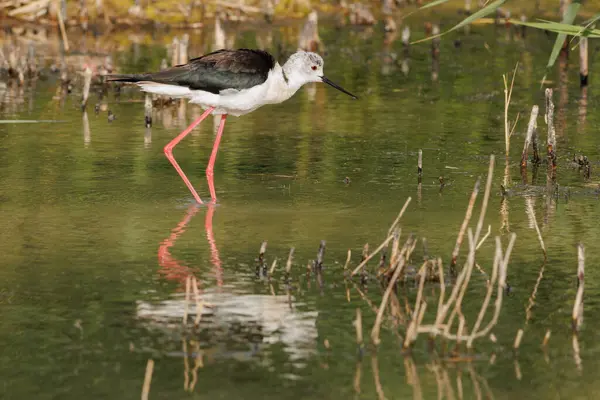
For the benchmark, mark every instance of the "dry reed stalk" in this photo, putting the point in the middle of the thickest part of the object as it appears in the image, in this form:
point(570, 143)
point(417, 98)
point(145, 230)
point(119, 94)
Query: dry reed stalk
point(483, 239)
point(518, 338)
point(463, 227)
point(486, 197)
point(288, 264)
point(61, 25)
point(147, 376)
point(438, 327)
point(507, 98)
point(442, 287)
point(381, 246)
point(412, 330)
point(583, 61)
point(549, 118)
point(533, 220)
point(320, 255)
point(87, 81)
point(488, 295)
point(531, 127)
point(464, 284)
point(272, 269)
point(188, 291)
point(348, 259)
point(400, 214)
point(546, 339)
point(386, 295)
point(534, 293)
point(148, 111)
point(358, 326)
point(578, 305)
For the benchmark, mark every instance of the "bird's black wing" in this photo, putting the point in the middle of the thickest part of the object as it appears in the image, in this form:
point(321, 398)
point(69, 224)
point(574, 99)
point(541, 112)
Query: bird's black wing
point(214, 72)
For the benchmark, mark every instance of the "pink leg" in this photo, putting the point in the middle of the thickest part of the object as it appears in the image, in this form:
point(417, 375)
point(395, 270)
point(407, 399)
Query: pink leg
point(169, 151)
point(213, 157)
point(214, 251)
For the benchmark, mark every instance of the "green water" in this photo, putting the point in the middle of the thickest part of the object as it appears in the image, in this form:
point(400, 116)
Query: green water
point(99, 233)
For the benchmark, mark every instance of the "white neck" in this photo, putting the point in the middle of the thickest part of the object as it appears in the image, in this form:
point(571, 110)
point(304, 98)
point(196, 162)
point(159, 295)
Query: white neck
point(283, 85)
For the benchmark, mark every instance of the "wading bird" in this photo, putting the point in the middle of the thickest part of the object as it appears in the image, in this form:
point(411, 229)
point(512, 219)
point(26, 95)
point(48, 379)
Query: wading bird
point(229, 82)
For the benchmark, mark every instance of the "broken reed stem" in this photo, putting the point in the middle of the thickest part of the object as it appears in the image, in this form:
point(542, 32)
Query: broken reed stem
point(61, 25)
point(320, 255)
point(483, 239)
point(486, 197)
point(437, 327)
point(442, 286)
point(358, 326)
point(381, 246)
point(288, 264)
point(464, 284)
point(384, 300)
point(507, 97)
point(583, 61)
point(404, 207)
point(578, 305)
point(148, 111)
point(551, 131)
point(532, 218)
point(147, 376)
point(546, 338)
point(463, 227)
point(273, 266)
point(488, 295)
point(348, 259)
point(531, 127)
point(420, 164)
point(87, 81)
point(418, 309)
point(518, 339)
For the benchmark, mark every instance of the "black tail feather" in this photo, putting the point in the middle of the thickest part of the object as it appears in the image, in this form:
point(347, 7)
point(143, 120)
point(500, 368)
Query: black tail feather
point(125, 77)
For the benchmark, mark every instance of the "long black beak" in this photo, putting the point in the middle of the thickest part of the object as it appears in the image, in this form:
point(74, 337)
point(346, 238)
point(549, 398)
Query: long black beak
point(341, 89)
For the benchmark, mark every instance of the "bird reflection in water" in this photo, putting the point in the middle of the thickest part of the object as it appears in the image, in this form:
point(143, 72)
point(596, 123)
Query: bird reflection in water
point(224, 317)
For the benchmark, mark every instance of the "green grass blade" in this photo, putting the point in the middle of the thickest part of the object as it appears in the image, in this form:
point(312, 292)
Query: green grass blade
point(556, 27)
point(568, 18)
point(487, 10)
point(490, 8)
point(433, 4)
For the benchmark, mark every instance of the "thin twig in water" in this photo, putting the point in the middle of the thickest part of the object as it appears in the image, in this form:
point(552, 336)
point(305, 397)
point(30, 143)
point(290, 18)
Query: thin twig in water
point(463, 227)
point(386, 295)
point(381, 246)
point(518, 339)
point(507, 97)
point(578, 305)
point(147, 379)
point(404, 207)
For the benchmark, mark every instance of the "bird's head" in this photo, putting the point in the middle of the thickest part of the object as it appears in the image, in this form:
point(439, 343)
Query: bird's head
point(304, 67)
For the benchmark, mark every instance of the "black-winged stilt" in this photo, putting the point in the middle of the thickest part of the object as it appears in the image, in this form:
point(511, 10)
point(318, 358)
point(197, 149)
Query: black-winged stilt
point(229, 82)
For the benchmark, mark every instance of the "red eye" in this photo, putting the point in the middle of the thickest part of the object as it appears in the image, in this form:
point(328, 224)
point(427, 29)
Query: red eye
point(314, 67)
